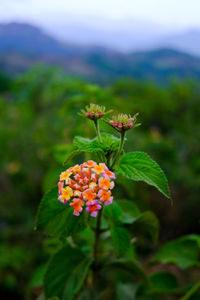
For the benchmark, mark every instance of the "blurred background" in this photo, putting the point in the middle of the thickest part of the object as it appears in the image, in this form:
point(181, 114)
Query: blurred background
point(56, 57)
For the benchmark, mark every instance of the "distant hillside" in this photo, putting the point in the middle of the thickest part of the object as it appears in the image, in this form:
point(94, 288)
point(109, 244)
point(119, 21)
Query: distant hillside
point(23, 45)
point(125, 35)
point(28, 40)
point(158, 65)
point(188, 41)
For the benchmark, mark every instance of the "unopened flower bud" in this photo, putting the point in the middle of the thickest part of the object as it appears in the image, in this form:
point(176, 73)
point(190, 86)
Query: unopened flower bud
point(123, 122)
point(94, 112)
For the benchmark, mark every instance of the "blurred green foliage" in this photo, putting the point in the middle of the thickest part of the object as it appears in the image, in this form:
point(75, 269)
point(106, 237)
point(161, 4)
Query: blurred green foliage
point(38, 119)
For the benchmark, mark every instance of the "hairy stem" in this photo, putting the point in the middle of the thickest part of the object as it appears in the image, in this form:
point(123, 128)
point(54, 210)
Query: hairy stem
point(97, 236)
point(119, 149)
point(96, 123)
point(96, 248)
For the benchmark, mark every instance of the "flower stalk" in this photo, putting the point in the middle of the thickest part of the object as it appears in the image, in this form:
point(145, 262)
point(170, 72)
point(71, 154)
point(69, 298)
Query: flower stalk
point(96, 123)
point(95, 112)
point(122, 135)
point(96, 247)
point(97, 236)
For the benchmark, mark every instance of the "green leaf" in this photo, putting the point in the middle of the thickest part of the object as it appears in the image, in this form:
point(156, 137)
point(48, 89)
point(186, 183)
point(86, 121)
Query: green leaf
point(158, 283)
point(55, 218)
point(51, 177)
point(140, 167)
point(71, 156)
point(87, 145)
point(37, 277)
point(66, 273)
point(109, 143)
point(121, 240)
point(64, 153)
point(193, 237)
point(163, 282)
point(129, 266)
point(183, 252)
point(147, 224)
point(125, 291)
point(113, 213)
point(130, 211)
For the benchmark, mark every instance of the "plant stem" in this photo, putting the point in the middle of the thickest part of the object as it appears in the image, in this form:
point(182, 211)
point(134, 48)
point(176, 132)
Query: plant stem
point(119, 149)
point(191, 291)
point(96, 123)
point(108, 159)
point(96, 248)
point(97, 235)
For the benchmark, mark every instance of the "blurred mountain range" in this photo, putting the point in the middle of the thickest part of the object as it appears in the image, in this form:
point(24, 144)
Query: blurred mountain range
point(124, 35)
point(23, 45)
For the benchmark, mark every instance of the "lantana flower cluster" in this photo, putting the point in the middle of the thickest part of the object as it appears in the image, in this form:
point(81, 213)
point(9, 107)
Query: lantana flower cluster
point(123, 122)
point(87, 185)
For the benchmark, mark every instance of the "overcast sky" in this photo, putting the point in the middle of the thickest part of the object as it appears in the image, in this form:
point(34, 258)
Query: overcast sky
point(180, 13)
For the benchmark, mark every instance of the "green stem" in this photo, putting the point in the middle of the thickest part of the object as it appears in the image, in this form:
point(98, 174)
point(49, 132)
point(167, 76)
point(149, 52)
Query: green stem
point(108, 160)
point(97, 236)
point(96, 123)
point(98, 232)
point(191, 291)
point(119, 149)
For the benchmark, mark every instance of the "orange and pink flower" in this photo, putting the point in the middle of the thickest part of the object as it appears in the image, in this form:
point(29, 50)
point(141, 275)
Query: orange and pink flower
point(110, 174)
point(105, 183)
point(93, 208)
point(77, 205)
point(105, 196)
point(99, 169)
point(87, 185)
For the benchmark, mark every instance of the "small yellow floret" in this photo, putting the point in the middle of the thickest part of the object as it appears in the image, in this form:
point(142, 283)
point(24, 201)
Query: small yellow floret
point(67, 193)
point(65, 175)
point(99, 169)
